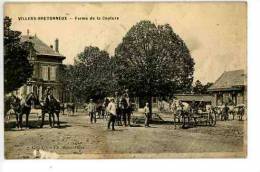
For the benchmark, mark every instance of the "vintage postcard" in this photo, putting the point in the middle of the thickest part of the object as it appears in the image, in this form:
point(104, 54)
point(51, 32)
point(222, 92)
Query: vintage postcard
point(125, 80)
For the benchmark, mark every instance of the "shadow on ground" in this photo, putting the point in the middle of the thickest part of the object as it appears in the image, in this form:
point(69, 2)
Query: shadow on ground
point(33, 124)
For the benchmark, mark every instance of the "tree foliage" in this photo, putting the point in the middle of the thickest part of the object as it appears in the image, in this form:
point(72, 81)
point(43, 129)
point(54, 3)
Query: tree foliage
point(17, 68)
point(91, 75)
point(199, 88)
point(153, 61)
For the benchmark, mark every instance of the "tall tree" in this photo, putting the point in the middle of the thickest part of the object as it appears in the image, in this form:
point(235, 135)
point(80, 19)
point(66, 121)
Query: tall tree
point(91, 75)
point(68, 75)
point(17, 68)
point(153, 61)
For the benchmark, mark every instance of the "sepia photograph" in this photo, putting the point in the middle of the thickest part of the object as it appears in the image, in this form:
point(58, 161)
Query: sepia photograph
point(125, 80)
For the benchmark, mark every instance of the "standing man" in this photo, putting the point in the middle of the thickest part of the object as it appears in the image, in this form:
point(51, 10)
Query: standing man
point(91, 108)
point(118, 109)
point(128, 108)
point(147, 115)
point(123, 108)
point(46, 108)
point(225, 112)
point(112, 114)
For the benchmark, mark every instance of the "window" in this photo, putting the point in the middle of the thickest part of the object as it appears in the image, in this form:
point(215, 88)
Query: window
point(44, 71)
point(48, 73)
point(52, 73)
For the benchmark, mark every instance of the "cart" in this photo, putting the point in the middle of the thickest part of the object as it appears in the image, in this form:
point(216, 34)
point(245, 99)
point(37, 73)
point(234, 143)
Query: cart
point(205, 118)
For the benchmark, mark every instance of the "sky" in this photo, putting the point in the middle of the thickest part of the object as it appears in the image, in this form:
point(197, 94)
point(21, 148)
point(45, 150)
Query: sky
point(215, 32)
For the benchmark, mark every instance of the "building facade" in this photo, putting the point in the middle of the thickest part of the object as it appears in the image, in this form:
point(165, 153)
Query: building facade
point(197, 98)
point(46, 61)
point(230, 87)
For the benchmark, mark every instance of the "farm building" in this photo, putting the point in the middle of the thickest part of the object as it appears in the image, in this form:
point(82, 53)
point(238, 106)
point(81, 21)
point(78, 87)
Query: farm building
point(46, 61)
point(198, 98)
point(230, 87)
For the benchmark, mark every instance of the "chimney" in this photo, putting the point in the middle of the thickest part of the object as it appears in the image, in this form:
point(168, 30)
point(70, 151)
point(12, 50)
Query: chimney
point(56, 45)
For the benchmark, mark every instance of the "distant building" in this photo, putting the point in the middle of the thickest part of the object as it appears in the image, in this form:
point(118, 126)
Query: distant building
point(46, 61)
point(197, 98)
point(230, 87)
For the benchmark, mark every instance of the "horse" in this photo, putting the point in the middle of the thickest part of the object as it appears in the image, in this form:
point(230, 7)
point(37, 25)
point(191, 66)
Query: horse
point(104, 109)
point(212, 116)
point(223, 114)
point(24, 107)
point(232, 110)
point(182, 111)
point(13, 108)
point(70, 108)
point(240, 111)
point(122, 111)
point(52, 107)
point(99, 110)
point(129, 113)
point(217, 110)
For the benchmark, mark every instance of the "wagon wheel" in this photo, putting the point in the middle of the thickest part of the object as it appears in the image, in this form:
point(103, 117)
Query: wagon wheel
point(212, 120)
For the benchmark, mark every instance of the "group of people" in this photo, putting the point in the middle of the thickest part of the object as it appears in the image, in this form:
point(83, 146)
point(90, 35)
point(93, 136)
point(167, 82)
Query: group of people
point(117, 108)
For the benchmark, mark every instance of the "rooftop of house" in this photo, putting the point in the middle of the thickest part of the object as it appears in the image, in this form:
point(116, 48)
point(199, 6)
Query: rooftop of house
point(40, 47)
point(230, 80)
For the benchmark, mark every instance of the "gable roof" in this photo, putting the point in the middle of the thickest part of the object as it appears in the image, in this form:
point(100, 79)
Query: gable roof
point(230, 80)
point(40, 47)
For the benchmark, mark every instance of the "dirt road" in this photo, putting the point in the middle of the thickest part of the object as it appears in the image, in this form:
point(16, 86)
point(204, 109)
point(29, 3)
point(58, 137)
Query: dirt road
point(78, 138)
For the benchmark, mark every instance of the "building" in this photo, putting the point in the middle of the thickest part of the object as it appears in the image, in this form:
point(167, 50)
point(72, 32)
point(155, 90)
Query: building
point(197, 98)
point(163, 105)
point(230, 87)
point(46, 61)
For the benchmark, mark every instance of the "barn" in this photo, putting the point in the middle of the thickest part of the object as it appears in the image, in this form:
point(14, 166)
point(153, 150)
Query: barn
point(230, 88)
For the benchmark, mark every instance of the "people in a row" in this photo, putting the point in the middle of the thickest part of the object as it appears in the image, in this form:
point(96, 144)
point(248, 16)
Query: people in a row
point(117, 109)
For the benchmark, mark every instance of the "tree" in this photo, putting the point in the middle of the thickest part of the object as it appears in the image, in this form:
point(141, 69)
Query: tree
point(153, 61)
point(67, 76)
point(91, 75)
point(199, 88)
point(17, 68)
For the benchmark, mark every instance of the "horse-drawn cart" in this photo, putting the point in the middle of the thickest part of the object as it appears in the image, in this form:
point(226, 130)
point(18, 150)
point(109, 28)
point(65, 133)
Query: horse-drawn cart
point(205, 118)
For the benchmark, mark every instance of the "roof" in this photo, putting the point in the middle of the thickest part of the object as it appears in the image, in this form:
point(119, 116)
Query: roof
point(230, 80)
point(195, 97)
point(40, 47)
